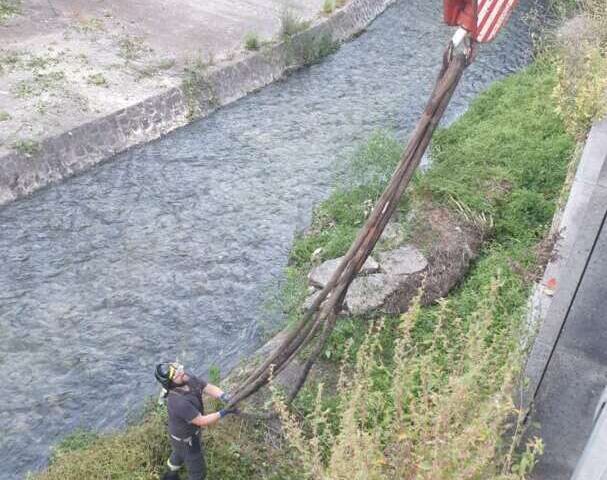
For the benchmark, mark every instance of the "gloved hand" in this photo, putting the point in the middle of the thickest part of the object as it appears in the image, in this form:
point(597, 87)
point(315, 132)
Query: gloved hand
point(228, 411)
point(225, 397)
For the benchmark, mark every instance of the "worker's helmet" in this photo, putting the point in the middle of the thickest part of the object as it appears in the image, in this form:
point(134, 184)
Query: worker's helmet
point(165, 373)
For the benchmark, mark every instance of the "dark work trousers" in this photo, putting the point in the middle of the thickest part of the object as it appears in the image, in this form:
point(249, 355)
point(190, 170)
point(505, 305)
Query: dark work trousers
point(191, 455)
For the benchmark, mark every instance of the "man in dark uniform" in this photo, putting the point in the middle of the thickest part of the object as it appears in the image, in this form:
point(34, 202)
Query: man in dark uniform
point(186, 416)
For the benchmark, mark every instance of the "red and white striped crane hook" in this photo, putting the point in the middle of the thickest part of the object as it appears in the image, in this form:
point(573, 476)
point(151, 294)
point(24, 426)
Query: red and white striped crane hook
point(481, 20)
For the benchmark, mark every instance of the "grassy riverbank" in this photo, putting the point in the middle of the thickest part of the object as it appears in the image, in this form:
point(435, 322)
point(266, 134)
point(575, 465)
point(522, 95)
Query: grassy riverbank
point(432, 395)
point(433, 390)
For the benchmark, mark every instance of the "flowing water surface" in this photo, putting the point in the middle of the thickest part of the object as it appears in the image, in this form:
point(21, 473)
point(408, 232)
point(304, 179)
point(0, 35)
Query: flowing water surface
point(174, 247)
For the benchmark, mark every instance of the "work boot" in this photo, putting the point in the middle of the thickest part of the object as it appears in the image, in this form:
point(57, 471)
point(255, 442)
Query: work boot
point(170, 475)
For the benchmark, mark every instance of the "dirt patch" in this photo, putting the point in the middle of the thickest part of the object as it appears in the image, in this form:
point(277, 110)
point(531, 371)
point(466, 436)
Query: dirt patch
point(450, 243)
point(545, 253)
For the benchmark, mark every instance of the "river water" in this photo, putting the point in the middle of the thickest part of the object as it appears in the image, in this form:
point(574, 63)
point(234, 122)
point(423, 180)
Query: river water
point(174, 248)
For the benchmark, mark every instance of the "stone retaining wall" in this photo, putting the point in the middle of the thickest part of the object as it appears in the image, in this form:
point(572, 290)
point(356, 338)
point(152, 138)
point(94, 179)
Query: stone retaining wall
point(93, 142)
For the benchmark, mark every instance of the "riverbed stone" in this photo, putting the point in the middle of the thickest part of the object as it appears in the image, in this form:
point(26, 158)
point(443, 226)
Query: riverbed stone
point(320, 275)
point(404, 260)
point(369, 292)
point(310, 299)
point(393, 236)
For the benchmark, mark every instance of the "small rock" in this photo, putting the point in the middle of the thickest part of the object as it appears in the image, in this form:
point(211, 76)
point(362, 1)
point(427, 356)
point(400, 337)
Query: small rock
point(392, 236)
point(402, 261)
point(369, 292)
point(310, 300)
point(316, 256)
point(320, 275)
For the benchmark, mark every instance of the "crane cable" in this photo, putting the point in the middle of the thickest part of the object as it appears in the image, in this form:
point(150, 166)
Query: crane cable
point(318, 321)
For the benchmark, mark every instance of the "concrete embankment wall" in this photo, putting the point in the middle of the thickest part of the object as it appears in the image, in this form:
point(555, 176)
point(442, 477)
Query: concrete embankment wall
point(76, 150)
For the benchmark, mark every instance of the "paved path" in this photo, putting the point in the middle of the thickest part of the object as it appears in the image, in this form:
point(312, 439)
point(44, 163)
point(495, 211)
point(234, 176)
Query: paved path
point(568, 365)
point(66, 62)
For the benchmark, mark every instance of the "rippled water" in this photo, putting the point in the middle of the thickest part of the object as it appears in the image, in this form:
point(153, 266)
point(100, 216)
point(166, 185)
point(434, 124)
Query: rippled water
point(173, 247)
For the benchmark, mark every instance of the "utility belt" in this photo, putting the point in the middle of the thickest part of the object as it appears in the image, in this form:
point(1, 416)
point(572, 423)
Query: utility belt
point(187, 440)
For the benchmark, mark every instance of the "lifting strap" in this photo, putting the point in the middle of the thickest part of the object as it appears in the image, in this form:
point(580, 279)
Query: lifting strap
point(318, 321)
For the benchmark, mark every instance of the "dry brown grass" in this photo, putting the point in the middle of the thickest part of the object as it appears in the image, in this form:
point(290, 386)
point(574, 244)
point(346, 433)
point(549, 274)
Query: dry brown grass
point(443, 414)
point(581, 57)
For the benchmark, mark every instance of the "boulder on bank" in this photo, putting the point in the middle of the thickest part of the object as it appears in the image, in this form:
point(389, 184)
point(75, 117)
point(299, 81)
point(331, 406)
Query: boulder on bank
point(404, 260)
point(370, 289)
point(389, 284)
point(451, 242)
point(320, 275)
point(369, 293)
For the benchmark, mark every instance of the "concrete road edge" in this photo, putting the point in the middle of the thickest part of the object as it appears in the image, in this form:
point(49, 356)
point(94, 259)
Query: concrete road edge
point(580, 224)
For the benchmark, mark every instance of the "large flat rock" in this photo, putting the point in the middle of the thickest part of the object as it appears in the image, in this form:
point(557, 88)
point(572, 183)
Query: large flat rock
point(392, 237)
point(368, 293)
point(404, 260)
point(320, 275)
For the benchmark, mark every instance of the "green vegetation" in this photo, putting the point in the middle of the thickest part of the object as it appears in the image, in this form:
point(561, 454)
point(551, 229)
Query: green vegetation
point(313, 50)
point(331, 5)
point(426, 395)
point(291, 24)
point(233, 450)
point(132, 48)
point(197, 88)
point(4, 116)
point(305, 49)
point(26, 147)
point(137, 453)
point(39, 84)
point(251, 41)
point(498, 161)
point(8, 8)
point(97, 79)
point(328, 6)
point(9, 60)
point(89, 25)
point(165, 64)
point(336, 222)
point(154, 68)
point(512, 169)
point(78, 440)
point(39, 62)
